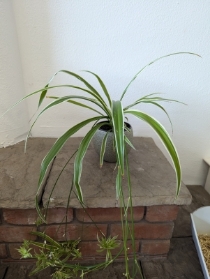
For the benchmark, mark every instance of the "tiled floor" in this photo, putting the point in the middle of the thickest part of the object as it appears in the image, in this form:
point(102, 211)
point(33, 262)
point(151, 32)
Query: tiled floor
point(182, 261)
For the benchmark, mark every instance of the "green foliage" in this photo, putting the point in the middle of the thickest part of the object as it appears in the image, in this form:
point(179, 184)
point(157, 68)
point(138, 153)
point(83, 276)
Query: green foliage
point(55, 254)
point(24, 250)
point(107, 244)
point(114, 113)
point(52, 254)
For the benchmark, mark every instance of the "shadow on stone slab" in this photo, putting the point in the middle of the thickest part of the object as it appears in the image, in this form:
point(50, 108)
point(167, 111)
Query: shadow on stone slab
point(182, 262)
point(200, 197)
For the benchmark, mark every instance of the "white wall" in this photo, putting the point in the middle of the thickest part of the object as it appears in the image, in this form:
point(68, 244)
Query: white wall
point(115, 39)
point(13, 126)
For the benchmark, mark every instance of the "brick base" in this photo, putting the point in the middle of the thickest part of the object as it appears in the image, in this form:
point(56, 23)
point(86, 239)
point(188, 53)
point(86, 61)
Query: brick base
point(153, 229)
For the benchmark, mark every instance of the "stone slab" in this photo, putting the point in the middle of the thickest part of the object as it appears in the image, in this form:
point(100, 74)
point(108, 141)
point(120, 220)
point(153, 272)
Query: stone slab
point(152, 177)
point(19, 172)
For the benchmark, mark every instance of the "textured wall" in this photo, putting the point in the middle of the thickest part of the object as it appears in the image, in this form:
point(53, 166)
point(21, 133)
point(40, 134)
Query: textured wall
point(13, 126)
point(115, 39)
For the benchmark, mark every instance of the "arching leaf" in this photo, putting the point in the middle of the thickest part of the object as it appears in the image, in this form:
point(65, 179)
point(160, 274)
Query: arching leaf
point(176, 53)
point(80, 156)
point(54, 151)
point(165, 138)
point(102, 86)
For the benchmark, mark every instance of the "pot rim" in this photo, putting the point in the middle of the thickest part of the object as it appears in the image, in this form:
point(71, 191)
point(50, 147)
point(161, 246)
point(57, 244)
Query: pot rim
point(128, 125)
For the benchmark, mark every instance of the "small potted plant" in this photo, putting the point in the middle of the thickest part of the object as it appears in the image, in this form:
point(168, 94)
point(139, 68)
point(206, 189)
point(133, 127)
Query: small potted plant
point(114, 131)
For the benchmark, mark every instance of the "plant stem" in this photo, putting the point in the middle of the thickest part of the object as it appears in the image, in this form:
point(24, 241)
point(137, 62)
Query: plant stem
point(132, 233)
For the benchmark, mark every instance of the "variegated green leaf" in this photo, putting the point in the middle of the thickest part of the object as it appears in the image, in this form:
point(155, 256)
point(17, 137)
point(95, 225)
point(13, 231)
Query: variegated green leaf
point(47, 238)
point(138, 100)
point(158, 105)
point(167, 142)
point(99, 103)
point(90, 87)
point(118, 125)
point(129, 142)
point(54, 151)
point(56, 102)
point(118, 184)
point(102, 86)
point(151, 64)
point(42, 245)
point(103, 148)
point(80, 156)
point(43, 95)
point(79, 104)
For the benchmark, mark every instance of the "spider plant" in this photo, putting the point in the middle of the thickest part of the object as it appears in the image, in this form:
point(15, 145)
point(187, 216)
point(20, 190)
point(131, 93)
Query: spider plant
point(113, 112)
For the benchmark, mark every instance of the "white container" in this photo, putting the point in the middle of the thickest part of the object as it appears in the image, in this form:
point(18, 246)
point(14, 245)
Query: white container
point(201, 225)
point(207, 184)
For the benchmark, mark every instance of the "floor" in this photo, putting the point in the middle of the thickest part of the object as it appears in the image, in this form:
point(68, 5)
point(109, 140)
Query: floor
point(182, 261)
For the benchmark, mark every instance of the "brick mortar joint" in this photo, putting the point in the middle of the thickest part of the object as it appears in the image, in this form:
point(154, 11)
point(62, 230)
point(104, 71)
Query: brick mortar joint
point(78, 222)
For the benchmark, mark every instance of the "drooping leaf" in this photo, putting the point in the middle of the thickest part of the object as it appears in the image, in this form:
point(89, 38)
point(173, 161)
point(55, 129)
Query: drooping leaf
point(118, 125)
point(157, 99)
point(102, 86)
point(118, 184)
point(103, 148)
point(129, 142)
point(44, 92)
point(80, 156)
point(54, 151)
point(56, 102)
point(176, 53)
point(162, 108)
point(101, 102)
point(140, 99)
point(42, 96)
point(165, 138)
point(77, 104)
point(90, 87)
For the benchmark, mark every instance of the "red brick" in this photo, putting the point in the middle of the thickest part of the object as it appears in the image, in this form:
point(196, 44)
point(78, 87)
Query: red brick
point(155, 247)
point(75, 231)
point(144, 230)
point(90, 248)
point(16, 234)
point(107, 214)
point(14, 252)
point(20, 216)
point(129, 248)
point(161, 213)
point(29, 216)
point(3, 251)
point(58, 215)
